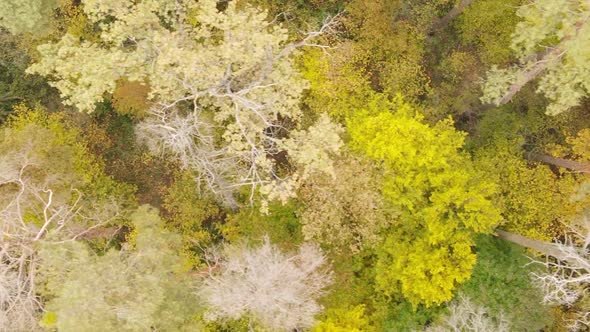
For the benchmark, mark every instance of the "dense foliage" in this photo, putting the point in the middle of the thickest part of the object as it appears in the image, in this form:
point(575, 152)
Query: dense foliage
point(290, 165)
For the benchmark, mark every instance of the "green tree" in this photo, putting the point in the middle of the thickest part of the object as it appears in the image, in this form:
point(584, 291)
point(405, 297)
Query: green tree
point(281, 225)
point(191, 215)
point(51, 189)
point(488, 25)
point(139, 288)
point(443, 201)
point(444, 21)
point(501, 281)
point(15, 85)
point(552, 43)
point(27, 16)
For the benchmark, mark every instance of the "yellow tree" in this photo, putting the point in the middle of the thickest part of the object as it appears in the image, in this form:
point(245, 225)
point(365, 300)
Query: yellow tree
point(443, 201)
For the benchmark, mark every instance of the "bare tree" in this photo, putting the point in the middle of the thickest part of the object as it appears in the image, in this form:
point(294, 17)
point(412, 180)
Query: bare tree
point(278, 290)
point(466, 316)
point(567, 279)
point(545, 248)
point(37, 203)
point(567, 274)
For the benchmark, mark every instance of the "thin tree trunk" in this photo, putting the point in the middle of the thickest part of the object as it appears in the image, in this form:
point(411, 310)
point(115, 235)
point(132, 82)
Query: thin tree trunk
point(532, 73)
point(565, 163)
point(547, 56)
point(523, 80)
point(97, 233)
point(544, 58)
point(8, 97)
point(445, 20)
point(546, 248)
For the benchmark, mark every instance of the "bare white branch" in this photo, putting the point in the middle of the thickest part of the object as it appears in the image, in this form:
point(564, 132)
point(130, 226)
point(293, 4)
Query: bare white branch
point(466, 316)
point(35, 205)
point(247, 104)
point(277, 289)
point(567, 278)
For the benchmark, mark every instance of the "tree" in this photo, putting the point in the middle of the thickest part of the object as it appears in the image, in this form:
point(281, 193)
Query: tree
point(576, 154)
point(51, 189)
point(190, 214)
point(453, 90)
point(131, 98)
point(278, 290)
point(139, 288)
point(501, 282)
point(443, 201)
point(465, 315)
point(281, 225)
point(338, 82)
point(383, 50)
point(222, 82)
point(552, 44)
point(15, 86)
point(533, 199)
point(345, 212)
point(27, 16)
point(340, 320)
point(487, 26)
point(560, 162)
point(444, 21)
point(567, 278)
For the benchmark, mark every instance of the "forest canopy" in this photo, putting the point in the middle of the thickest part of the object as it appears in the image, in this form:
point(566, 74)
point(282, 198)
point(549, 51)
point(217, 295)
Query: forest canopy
point(280, 165)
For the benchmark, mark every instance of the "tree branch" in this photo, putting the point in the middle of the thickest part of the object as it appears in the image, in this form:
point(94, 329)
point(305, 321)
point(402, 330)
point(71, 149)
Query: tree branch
point(444, 21)
point(565, 163)
point(546, 248)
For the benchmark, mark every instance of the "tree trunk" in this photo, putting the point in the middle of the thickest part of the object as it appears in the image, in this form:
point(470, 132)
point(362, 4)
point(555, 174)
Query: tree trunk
point(545, 59)
point(445, 20)
point(565, 163)
point(97, 233)
point(540, 65)
point(524, 79)
point(546, 248)
point(8, 97)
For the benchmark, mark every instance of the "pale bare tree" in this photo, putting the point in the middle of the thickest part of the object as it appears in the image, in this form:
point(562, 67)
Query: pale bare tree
point(38, 202)
point(465, 316)
point(567, 278)
point(278, 290)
